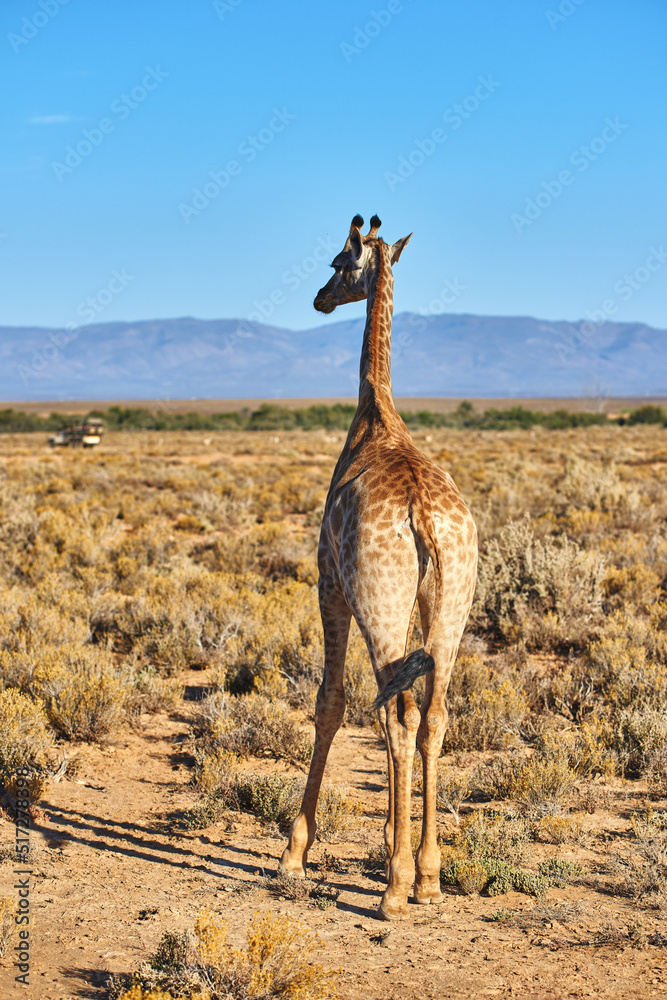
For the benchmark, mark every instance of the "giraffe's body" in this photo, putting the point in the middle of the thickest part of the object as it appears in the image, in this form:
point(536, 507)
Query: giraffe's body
point(395, 536)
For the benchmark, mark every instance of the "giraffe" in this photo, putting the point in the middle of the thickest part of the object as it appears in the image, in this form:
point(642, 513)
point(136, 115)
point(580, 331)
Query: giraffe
point(396, 536)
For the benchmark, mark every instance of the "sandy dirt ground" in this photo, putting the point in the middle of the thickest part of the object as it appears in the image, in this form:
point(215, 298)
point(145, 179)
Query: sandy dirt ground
point(113, 868)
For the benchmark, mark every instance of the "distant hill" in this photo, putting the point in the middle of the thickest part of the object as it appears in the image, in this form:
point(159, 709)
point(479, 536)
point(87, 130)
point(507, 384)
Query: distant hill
point(443, 355)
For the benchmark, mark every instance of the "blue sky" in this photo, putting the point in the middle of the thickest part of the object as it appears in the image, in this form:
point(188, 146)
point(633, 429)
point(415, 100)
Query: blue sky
point(452, 120)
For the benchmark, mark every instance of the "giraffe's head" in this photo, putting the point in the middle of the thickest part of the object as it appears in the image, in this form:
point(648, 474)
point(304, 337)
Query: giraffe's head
point(356, 266)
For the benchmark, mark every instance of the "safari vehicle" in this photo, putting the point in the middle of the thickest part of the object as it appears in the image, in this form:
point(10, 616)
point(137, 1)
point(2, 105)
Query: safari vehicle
point(85, 435)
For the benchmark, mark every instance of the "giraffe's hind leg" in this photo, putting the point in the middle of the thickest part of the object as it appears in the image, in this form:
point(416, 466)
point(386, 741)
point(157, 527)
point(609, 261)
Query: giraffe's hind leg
point(431, 732)
point(401, 722)
point(389, 823)
point(429, 741)
point(329, 712)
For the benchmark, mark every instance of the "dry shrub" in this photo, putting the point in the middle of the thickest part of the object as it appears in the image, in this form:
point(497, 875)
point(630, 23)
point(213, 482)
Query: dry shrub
point(561, 830)
point(542, 783)
point(624, 666)
point(471, 877)
point(636, 585)
point(544, 593)
point(25, 740)
point(275, 798)
point(190, 523)
point(85, 694)
point(643, 869)
point(591, 747)
point(559, 870)
point(596, 487)
point(451, 790)
point(486, 710)
point(288, 886)
point(274, 963)
point(32, 620)
point(655, 771)
point(336, 812)
point(360, 684)
point(628, 663)
point(149, 548)
point(215, 771)
point(482, 835)
point(251, 725)
point(641, 740)
point(375, 859)
point(277, 648)
point(272, 797)
point(152, 693)
point(173, 625)
point(271, 550)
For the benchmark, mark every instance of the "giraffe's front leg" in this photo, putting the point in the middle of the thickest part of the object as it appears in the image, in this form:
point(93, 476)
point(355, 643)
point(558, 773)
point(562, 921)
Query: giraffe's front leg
point(402, 720)
point(329, 712)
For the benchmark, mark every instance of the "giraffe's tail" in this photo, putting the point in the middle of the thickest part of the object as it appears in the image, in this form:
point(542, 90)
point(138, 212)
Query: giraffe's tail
point(415, 665)
point(420, 662)
point(424, 526)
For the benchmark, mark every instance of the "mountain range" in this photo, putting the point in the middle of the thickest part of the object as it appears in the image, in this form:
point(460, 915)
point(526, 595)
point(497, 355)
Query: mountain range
point(438, 355)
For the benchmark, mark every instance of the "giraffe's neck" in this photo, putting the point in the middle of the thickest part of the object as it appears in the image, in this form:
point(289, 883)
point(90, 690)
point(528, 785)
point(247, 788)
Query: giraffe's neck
point(375, 390)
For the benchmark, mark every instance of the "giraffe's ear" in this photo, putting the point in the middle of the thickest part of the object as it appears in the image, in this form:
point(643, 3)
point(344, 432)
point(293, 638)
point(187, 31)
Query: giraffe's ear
point(398, 247)
point(355, 243)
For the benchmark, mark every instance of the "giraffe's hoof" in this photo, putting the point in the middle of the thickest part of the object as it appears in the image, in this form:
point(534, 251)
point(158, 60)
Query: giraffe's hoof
point(428, 891)
point(290, 866)
point(393, 908)
point(392, 913)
